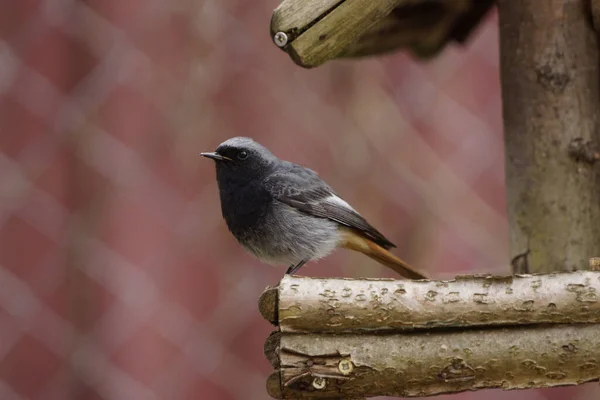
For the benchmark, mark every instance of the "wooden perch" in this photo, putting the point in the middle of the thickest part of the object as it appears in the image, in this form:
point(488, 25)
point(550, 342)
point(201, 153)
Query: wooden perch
point(351, 338)
point(313, 32)
point(303, 304)
point(321, 366)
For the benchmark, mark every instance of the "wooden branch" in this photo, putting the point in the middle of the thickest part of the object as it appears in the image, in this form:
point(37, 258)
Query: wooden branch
point(417, 365)
point(349, 339)
point(422, 27)
point(303, 304)
point(313, 32)
point(550, 79)
point(337, 30)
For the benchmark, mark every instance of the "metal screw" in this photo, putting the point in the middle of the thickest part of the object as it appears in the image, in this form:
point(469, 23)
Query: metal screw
point(280, 39)
point(345, 366)
point(319, 383)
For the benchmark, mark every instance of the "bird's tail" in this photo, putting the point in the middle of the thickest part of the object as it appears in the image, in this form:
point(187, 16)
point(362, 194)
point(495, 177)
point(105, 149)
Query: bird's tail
point(355, 241)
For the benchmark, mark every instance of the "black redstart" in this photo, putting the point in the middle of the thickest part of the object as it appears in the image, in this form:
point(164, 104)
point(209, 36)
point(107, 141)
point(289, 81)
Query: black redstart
point(284, 213)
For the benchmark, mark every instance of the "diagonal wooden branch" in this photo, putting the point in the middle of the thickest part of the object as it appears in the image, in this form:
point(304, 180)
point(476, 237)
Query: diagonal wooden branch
point(337, 30)
point(316, 31)
point(414, 364)
point(302, 304)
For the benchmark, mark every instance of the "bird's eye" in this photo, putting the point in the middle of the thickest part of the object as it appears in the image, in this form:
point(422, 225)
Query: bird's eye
point(242, 155)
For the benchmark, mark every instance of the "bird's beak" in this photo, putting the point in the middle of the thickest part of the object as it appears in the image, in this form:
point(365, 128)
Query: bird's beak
point(215, 156)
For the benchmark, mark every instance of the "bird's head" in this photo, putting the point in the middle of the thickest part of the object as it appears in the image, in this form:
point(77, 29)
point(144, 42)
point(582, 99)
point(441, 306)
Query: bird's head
point(241, 159)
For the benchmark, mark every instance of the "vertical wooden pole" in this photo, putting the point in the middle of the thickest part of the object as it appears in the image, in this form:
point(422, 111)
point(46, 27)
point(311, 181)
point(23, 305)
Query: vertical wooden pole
point(551, 106)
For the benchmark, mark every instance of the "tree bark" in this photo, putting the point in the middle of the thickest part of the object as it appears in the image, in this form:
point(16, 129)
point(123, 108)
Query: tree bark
point(418, 365)
point(301, 304)
point(551, 105)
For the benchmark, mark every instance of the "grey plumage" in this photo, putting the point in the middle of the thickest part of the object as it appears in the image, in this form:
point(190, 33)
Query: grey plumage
point(281, 212)
point(287, 237)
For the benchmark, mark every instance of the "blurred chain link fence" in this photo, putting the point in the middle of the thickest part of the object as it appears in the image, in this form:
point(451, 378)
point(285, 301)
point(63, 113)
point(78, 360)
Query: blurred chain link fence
point(118, 278)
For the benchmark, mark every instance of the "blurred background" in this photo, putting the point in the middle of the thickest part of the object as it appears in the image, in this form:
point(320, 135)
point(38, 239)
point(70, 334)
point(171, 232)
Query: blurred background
point(118, 277)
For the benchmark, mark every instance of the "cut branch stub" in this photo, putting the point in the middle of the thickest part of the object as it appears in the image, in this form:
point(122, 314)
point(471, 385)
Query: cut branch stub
point(416, 364)
point(303, 304)
point(271, 349)
point(268, 303)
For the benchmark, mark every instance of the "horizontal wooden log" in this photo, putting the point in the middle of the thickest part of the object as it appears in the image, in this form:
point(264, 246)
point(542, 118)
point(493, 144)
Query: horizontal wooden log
point(417, 365)
point(301, 304)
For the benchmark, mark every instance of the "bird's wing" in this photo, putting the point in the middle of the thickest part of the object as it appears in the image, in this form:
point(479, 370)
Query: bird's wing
point(302, 189)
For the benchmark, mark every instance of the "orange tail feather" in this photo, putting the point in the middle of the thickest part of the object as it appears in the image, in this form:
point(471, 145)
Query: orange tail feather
point(354, 241)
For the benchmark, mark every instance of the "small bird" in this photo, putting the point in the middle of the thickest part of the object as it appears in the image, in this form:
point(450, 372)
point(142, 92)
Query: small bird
point(283, 213)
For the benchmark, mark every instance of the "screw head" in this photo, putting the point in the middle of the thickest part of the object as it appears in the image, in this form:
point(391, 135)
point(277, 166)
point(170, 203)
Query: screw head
point(280, 39)
point(345, 366)
point(319, 383)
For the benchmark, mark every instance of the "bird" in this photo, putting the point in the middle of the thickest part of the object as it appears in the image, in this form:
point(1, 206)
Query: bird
point(285, 214)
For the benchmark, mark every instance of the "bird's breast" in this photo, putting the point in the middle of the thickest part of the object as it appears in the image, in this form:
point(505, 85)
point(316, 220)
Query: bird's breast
point(245, 207)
